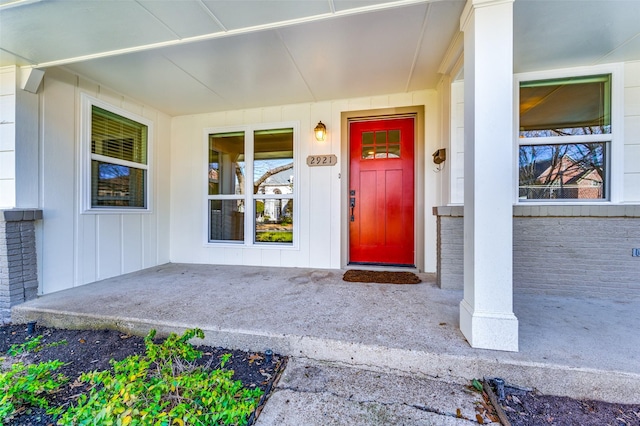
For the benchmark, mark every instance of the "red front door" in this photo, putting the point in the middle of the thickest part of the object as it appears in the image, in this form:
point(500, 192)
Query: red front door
point(381, 191)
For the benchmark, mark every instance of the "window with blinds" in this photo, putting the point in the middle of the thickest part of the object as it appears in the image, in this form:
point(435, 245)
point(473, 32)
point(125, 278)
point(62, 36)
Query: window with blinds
point(118, 161)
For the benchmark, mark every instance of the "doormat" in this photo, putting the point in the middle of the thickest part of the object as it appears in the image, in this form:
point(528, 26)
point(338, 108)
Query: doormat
point(382, 277)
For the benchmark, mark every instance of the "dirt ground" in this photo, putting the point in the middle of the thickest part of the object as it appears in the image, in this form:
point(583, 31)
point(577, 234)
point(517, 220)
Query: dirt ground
point(528, 408)
point(88, 350)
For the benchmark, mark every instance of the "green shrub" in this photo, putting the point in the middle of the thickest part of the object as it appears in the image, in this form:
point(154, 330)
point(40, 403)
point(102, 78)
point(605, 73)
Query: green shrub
point(164, 387)
point(28, 385)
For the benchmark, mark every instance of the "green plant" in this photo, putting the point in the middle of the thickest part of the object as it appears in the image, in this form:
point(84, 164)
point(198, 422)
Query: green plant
point(29, 346)
point(32, 345)
point(164, 387)
point(26, 386)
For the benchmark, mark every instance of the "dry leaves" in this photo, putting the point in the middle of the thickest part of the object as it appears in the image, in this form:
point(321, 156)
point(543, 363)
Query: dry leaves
point(254, 357)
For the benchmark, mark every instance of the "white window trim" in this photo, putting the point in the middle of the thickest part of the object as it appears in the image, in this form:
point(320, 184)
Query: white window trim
point(249, 197)
point(87, 102)
point(615, 172)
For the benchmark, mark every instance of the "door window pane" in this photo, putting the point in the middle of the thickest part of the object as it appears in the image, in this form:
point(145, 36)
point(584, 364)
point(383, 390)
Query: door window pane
point(381, 144)
point(563, 171)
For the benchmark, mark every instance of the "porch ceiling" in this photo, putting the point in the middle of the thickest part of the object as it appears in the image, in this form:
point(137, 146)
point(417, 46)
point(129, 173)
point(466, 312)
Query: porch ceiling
point(192, 56)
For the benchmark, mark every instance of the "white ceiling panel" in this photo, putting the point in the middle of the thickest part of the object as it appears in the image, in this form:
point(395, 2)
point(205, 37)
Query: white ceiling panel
point(218, 55)
point(357, 55)
point(192, 19)
point(442, 25)
point(250, 13)
point(48, 31)
point(151, 78)
point(556, 34)
point(248, 70)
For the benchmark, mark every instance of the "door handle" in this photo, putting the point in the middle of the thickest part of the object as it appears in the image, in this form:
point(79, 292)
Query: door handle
point(352, 204)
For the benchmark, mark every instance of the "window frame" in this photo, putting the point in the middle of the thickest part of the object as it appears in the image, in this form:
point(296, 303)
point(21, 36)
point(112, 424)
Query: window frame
point(249, 197)
point(614, 151)
point(87, 103)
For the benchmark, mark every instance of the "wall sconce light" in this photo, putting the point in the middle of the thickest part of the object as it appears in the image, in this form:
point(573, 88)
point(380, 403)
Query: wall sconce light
point(320, 131)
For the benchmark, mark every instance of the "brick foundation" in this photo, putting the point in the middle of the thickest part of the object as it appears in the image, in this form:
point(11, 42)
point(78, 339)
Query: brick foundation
point(561, 250)
point(18, 263)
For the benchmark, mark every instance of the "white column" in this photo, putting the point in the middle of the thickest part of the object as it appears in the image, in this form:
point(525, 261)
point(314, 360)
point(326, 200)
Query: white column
point(486, 312)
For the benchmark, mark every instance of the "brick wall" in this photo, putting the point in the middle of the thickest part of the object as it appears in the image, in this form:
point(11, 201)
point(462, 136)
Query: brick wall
point(18, 264)
point(563, 250)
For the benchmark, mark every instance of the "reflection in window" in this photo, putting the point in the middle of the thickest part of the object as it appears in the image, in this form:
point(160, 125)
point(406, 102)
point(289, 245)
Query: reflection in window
point(118, 160)
point(274, 220)
point(273, 175)
point(226, 163)
point(269, 191)
point(565, 107)
point(563, 171)
point(226, 220)
point(564, 138)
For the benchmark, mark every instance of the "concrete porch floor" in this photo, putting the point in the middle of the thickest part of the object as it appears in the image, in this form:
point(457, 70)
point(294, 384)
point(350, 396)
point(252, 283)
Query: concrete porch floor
point(578, 347)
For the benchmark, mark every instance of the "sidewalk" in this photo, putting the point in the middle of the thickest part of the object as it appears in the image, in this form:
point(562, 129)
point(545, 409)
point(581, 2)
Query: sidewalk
point(578, 347)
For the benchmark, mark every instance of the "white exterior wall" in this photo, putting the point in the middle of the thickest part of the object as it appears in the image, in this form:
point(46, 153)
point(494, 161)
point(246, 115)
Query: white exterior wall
point(632, 132)
point(456, 169)
point(631, 180)
point(320, 197)
point(7, 136)
point(75, 248)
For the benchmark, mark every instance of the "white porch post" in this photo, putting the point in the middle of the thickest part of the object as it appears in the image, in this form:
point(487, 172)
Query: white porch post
point(486, 312)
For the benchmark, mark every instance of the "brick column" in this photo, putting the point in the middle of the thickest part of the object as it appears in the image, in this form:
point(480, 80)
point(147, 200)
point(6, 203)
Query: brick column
point(18, 264)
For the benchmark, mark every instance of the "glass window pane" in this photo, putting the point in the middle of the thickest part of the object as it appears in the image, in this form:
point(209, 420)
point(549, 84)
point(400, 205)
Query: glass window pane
point(367, 138)
point(114, 185)
point(226, 163)
point(381, 151)
point(568, 106)
point(368, 152)
point(274, 220)
point(394, 151)
point(273, 161)
point(381, 138)
point(226, 219)
point(394, 137)
point(119, 137)
point(563, 171)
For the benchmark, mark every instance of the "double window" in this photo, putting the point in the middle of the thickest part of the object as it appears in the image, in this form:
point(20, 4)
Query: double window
point(250, 190)
point(565, 138)
point(117, 158)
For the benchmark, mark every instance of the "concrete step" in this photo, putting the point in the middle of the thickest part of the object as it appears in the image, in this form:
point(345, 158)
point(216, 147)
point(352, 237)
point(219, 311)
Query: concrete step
point(554, 379)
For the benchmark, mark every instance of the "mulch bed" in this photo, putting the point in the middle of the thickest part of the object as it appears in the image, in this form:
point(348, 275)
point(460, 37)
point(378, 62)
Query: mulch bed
point(530, 408)
point(382, 277)
point(89, 350)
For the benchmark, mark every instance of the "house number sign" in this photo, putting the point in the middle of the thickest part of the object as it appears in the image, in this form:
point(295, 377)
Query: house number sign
point(322, 160)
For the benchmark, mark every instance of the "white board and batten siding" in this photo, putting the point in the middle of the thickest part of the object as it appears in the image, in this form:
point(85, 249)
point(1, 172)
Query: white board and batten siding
point(630, 165)
point(76, 248)
point(320, 189)
point(632, 132)
point(7, 136)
